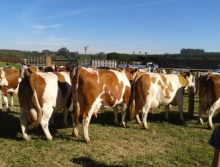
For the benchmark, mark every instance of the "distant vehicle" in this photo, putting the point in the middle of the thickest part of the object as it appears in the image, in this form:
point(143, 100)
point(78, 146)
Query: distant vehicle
point(217, 70)
point(151, 66)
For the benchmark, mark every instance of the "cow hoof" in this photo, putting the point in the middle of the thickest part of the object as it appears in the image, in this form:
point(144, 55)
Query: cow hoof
point(75, 133)
point(210, 127)
point(123, 125)
point(200, 121)
point(87, 141)
point(49, 138)
point(8, 110)
point(137, 122)
point(182, 122)
point(166, 120)
point(146, 127)
point(65, 126)
point(116, 124)
point(27, 138)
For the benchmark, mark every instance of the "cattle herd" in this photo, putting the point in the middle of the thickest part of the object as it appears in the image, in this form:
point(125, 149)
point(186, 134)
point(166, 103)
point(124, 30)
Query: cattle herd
point(43, 93)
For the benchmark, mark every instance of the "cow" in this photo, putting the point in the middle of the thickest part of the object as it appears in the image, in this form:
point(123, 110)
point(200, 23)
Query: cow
point(93, 88)
point(9, 83)
point(209, 96)
point(150, 90)
point(40, 94)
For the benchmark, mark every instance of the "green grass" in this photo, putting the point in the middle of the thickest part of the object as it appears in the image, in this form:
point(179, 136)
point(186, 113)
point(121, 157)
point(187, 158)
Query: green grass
point(169, 144)
point(15, 65)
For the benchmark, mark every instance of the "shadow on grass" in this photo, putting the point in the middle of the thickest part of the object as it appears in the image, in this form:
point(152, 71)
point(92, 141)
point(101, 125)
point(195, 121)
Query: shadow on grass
point(11, 128)
point(10, 125)
point(107, 118)
point(87, 162)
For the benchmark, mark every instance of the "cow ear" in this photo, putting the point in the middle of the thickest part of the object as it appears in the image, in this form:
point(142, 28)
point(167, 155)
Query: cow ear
point(2, 74)
point(208, 76)
point(185, 75)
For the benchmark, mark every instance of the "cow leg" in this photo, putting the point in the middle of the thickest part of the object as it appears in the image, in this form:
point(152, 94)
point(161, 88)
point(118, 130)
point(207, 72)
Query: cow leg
point(179, 97)
point(211, 112)
point(51, 121)
point(138, 119)
point(0, 103)
point(167, 110)
point(210, 115)
point(123, 114)
point(200, 116)
point(180, 107)
point(210, 125)
point(65, 115)
point(144, 118)
point(12, 100)
point(85, 123)
point(45, 122)
point(23, 122)
point(75, 119)
point(115, 109)
point(202, 108)
point(5, 98)
point(75, 125)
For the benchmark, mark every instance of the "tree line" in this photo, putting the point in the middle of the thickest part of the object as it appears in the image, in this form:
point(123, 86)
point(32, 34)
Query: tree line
point(65, 54)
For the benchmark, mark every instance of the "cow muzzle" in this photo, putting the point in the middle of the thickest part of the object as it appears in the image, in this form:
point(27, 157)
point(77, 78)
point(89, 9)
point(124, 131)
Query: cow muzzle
point(191, 89)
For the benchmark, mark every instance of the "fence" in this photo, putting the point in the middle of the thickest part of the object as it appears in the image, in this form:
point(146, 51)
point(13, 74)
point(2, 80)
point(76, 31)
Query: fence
point(38, 61)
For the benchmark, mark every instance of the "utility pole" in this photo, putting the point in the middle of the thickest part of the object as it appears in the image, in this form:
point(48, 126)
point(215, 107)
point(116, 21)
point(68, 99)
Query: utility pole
point(85, 48)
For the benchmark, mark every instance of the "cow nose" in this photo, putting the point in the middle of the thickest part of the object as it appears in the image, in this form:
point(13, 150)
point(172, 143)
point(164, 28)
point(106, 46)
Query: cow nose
point(191, 89)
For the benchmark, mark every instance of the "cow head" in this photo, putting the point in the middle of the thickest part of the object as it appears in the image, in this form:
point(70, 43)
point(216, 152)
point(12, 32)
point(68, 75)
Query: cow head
point(130, 73)
point(49, 69)
point(190, 81)
point(202, 88)
point(30, 70)
point(3, 80)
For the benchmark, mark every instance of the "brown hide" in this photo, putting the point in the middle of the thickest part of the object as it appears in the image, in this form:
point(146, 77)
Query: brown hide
point(12, 76)
point(209, 86)
point(90, 86)
point(30, 93)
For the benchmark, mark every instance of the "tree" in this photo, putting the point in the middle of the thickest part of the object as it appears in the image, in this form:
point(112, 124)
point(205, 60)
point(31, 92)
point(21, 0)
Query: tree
point(64, 52)
point(192, 51)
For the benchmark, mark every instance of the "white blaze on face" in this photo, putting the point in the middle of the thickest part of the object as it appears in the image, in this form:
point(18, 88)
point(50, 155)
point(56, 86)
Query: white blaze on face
point(3, 81)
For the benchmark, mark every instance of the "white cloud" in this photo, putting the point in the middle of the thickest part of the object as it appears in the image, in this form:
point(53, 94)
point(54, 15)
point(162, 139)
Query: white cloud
point(55, 25)
point(42, 27)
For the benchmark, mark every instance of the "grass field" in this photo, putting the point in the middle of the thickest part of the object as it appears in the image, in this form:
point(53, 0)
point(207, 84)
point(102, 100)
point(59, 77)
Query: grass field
point(167, 144)
point(18, 66)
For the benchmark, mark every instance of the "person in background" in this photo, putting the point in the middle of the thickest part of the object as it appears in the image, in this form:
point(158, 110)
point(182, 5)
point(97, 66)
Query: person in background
point(214, 141)
point(7, 65)
point(23, 67)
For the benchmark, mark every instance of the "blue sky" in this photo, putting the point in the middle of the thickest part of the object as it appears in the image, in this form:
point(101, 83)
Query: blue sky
point(123, 26)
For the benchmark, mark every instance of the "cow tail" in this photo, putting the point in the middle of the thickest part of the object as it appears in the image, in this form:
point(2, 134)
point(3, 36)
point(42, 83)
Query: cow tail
point(132, 102)
point(132, 99)
point(35, 103)
point(76, 106)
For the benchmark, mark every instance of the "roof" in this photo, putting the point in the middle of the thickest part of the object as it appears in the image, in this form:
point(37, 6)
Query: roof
point(189, 64)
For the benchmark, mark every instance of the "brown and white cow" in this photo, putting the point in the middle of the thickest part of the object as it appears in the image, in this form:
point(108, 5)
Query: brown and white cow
point(209, 96)
point(150, 90)
point(40, 94)
point(9, 83)
point(94, 88)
